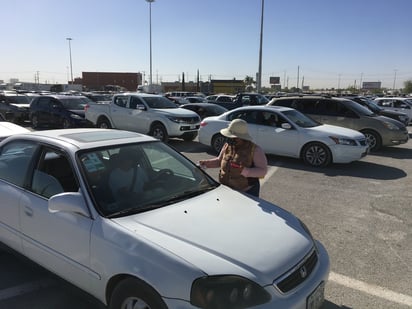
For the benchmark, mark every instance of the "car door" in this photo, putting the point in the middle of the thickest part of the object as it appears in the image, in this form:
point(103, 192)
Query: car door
point(134, 117)
point(118, 110)
point(57, 240)
point(15, 160)
point(273, 138)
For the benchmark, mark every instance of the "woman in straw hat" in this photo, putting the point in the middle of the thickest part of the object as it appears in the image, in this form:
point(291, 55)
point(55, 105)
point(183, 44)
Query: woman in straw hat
point(241, 161)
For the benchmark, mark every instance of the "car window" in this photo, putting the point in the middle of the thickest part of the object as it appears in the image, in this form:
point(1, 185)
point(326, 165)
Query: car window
point(53, 174)
point(120, 101)
point(15, 159)
point(159, 102)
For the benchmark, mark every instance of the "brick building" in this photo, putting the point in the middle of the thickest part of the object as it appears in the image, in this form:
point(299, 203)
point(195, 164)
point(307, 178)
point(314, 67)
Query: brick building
point(99, 80)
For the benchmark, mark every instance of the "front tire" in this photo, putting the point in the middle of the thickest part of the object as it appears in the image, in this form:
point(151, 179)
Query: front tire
point(373, 139)
point(133, 293)
point(159, 131)
point(316, 154)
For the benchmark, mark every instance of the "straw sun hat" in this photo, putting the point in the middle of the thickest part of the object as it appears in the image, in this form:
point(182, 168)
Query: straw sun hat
point(237, 129)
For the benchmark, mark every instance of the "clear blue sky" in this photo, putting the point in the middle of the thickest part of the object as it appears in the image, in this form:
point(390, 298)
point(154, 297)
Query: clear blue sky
point(333, 42)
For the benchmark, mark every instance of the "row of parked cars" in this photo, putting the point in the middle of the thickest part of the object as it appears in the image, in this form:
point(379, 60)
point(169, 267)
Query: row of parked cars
point(155, 115)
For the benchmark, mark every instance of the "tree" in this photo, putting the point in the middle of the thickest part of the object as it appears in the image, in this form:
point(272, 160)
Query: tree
point(407, 86)
point(249, 82)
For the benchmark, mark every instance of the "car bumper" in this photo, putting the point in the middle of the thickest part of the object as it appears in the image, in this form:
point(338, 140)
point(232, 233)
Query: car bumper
point(295, 299)
point(182, 129)
point(395, 138)
point(347, 154)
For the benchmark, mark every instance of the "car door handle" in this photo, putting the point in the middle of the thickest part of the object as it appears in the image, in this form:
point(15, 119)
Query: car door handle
point(28, 211)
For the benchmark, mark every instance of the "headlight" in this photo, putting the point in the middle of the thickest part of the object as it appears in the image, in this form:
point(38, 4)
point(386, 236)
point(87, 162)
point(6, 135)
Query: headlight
point(75, 116)
point(343, 141)
point(390, 126)
point(177, 119)
point(227, 292)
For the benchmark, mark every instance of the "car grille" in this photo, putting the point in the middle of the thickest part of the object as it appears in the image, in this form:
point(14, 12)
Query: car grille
point(297, 274)
point(192, 119)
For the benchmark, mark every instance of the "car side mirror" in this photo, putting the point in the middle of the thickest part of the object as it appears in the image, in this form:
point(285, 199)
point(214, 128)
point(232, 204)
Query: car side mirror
point(141, 107)
point(70, 202)
point(286, 126)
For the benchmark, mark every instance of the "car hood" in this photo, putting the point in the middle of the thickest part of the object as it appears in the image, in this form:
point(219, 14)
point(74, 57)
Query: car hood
point(179, 112)
point(225, 232)
point(9, 128)
point(336, 130)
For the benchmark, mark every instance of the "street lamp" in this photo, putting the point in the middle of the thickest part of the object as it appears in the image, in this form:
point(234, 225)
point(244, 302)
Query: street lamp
point(70, 52)
point(150, 31)
point(259, 77)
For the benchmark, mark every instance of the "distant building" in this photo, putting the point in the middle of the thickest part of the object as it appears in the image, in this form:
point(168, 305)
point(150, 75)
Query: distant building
point(98, 80)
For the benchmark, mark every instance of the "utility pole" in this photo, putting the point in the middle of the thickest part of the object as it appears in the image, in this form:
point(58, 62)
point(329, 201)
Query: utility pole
point(259, 77)
point(70, 53)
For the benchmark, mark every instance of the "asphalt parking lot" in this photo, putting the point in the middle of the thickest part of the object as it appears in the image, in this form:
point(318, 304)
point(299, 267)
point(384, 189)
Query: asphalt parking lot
point(361, 212)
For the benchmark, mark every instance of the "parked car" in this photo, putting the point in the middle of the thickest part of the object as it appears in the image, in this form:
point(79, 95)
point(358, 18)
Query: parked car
point(398, 104)
point(245, 99)
point(287, 132)
point(205, 109)
point(59, 111)
point(8, 128)
point(221, 98)
point(145, 113)
point(98, 97)
point(14, 107)
point(370, 104)
point(172, 246)
point(379, 130)
point(178, 100)
point(196, 99)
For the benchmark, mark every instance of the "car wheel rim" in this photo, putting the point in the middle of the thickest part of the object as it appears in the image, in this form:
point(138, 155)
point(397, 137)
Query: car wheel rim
point(158, 133)
point(371, 140)
point(218, 143)
point(134, 303)
point(316, 155)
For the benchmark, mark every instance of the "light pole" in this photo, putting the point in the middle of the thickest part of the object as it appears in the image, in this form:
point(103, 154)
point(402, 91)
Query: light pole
point(259, 77)
point(70, 52)
point(150, 34)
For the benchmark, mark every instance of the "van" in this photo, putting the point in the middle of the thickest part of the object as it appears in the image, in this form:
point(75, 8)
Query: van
point(379, 130)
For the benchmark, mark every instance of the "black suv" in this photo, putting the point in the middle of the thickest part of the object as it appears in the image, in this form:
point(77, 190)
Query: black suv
point(59, 111)
point(14, 107)
point(379, 130)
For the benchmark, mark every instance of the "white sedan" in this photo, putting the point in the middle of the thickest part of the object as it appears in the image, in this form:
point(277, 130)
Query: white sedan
point(287, 132)
point(9, 128)
point(174, 237)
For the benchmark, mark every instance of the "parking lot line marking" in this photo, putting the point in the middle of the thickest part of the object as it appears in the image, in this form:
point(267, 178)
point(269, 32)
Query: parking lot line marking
point(371, 289)
point(270, 172)
point(25, 288)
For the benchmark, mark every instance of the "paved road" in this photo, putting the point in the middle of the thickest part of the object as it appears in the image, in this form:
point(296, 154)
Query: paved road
point(362, 212)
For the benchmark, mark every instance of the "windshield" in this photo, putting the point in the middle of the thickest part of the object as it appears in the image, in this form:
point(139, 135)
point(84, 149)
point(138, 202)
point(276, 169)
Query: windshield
point(158, 102)
point(132, 178)
point(359, 109)
point(300, 119)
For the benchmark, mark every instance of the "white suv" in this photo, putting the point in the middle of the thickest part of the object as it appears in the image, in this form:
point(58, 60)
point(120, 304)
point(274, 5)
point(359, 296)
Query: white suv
point(399, 104)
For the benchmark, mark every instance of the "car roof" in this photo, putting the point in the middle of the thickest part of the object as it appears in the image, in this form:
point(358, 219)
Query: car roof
point(86, 138)
point(264, 108)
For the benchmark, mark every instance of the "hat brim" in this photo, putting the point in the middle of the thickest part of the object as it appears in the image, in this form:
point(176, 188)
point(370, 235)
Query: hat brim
point(226, 132)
